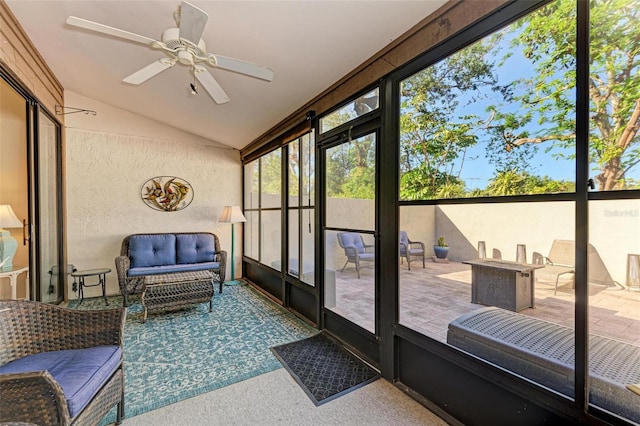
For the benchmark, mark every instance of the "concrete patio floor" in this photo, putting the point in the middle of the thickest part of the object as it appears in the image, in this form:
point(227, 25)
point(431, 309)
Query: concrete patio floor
point(432, 297)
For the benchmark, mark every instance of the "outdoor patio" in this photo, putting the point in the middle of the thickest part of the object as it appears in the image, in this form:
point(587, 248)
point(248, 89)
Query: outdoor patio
point(432, 297)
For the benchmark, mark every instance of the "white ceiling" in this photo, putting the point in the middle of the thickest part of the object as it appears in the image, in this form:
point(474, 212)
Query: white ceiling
point(309, 44)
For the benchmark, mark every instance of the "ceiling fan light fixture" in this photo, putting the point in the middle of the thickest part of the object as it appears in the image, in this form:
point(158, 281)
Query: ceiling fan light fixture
point(185, 57)
point(182, 45)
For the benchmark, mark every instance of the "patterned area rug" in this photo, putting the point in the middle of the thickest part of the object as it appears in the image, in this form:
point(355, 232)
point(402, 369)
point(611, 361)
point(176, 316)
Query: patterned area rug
point(181, 354)
point(324, 369)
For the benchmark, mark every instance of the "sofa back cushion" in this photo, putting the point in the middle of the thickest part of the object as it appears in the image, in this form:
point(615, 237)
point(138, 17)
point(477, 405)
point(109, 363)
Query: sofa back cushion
point(152, 250)
point(194, 248)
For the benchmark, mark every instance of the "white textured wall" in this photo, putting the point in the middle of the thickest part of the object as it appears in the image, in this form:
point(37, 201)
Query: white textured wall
point(110, 156)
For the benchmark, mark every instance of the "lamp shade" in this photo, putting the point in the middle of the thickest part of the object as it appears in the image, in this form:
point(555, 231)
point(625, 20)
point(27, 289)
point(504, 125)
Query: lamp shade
point(231, 214)
point(8, 218)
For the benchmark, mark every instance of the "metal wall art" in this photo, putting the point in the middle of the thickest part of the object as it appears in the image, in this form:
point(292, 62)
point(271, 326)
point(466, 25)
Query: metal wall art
point(167, 193)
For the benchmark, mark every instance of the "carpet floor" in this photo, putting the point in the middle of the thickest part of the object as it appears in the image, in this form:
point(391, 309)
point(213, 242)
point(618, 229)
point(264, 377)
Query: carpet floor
point(181, 354)
point(323, 368)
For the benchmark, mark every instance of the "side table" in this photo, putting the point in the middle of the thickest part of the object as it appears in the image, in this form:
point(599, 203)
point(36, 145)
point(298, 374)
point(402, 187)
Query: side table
point(12, 274)
point(81, 275)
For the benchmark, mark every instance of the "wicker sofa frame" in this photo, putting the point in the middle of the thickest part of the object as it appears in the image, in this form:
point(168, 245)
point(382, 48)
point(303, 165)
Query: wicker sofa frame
point(136, 284)
point(30, 328)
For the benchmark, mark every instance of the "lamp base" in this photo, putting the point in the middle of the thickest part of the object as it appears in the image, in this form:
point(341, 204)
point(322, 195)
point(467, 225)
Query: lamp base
point(8, 248)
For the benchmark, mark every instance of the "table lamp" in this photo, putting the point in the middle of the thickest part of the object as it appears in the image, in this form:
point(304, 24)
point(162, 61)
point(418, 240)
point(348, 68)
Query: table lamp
point(8, 244)
point(232, 214)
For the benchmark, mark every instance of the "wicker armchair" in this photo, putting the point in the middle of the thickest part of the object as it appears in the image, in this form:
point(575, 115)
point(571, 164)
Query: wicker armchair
point(36, 397)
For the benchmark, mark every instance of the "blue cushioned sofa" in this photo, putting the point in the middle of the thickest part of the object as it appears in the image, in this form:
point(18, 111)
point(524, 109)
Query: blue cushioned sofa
point(142, 255)
point(59, 366)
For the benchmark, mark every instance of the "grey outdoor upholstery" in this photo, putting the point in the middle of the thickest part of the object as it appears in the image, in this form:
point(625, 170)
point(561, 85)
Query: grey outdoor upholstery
point(355, 249)
point(409, 249)
point(545, 353)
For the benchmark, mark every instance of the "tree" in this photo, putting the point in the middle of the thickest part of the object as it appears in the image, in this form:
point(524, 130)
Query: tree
point(547, 39)
point(434, 134)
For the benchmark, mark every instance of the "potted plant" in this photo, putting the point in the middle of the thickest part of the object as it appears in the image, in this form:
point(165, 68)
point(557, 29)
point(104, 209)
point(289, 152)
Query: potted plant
point(441, 248)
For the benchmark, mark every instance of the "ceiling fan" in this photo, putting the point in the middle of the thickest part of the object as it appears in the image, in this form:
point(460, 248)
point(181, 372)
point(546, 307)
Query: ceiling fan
point(182, 45)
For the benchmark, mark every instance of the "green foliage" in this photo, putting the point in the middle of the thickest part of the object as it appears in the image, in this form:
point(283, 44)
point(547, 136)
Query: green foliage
point(528, 113)
point(441, 242)
point(547, 39)
point(351, 169)
point(432, 137)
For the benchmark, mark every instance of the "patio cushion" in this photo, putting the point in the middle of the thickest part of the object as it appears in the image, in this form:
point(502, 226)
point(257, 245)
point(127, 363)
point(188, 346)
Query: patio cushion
point(194, 248)
point(80, 372)
point(166, 269)
point(152, 250)
point(353, 240)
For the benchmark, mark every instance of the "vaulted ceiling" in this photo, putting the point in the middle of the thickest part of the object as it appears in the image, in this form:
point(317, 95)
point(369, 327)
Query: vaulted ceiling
point(309, 44)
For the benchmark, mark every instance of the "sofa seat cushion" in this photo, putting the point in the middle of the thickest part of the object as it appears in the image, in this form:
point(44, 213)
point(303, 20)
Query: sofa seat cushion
point(79, 372)
point(167, 269)
point(152, 250)
point(195, 248)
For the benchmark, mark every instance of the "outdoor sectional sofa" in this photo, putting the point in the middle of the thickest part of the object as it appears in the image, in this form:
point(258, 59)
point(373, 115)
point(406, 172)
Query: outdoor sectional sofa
point(545, 353)
point(176, 258)
point(60, 366)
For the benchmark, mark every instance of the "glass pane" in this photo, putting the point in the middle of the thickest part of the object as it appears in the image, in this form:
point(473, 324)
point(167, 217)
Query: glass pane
point(270, 238)
point(614, 305)
point(47, 193)
point(308, 170)
point(308, 248)
point(614, 65)
point(351, 111)
point(251, 185)
point(350, 277)
point(294, 171)
point(271, 179)
point(294, 243)
point(435, 299)
point(14, 183)
point(496, 118)
point(251, 234)
point(351, 184)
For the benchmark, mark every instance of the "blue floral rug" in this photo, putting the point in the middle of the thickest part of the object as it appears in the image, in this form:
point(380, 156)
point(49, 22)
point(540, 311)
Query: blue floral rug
point(181, 354)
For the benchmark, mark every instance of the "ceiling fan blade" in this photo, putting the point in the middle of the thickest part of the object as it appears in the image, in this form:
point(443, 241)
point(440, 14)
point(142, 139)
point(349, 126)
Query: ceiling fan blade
point(149, 71)
point(243, 67)
point(192, 22)
point(212, 87)
point(105, 29)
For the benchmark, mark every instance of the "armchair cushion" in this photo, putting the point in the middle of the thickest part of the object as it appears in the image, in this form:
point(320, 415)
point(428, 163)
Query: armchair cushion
point(79, 372)
point(353, 240)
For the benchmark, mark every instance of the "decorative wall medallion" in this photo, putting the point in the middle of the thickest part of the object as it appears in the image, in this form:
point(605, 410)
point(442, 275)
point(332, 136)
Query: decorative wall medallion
point(167, 193)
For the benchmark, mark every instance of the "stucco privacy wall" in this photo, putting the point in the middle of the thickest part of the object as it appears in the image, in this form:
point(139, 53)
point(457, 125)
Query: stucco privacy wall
point(110, 156)
point(614, 228)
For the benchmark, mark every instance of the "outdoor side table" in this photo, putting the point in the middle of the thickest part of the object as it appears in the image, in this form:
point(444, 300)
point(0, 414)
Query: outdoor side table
point(102, 281)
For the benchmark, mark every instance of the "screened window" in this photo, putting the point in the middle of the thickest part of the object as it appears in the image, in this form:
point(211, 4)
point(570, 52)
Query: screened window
point(351, 111)
point(497, 118)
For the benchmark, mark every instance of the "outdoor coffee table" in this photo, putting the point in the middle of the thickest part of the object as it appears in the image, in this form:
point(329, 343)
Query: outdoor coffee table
point(176, 290)
point(80, 283)
point(501, 283)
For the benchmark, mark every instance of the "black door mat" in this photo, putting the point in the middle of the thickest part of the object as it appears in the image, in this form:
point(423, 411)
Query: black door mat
point(323, 368)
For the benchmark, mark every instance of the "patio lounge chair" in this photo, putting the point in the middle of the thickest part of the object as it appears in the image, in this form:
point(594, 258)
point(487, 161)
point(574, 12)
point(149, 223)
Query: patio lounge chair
point(409, 249)
point(559, 262)
point(355, 249)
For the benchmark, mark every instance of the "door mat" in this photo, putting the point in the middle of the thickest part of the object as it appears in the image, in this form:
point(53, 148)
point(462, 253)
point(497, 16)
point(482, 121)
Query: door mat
point(324, 369)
